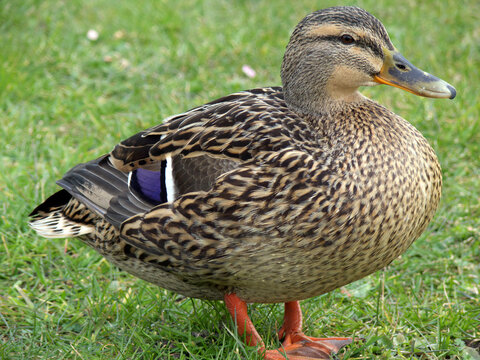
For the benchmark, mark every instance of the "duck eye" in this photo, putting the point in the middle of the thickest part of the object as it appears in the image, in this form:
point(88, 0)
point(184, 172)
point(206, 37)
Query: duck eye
point(347, 39)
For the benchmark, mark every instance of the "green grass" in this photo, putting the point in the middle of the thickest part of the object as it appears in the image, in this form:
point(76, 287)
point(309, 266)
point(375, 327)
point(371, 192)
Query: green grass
point(65, 99)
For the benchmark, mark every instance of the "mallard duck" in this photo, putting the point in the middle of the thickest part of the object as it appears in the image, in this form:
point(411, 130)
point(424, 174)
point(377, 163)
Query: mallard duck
point(269, 195)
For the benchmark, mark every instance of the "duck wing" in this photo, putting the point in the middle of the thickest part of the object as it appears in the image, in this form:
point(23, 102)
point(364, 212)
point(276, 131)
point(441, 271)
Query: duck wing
point(235, 127)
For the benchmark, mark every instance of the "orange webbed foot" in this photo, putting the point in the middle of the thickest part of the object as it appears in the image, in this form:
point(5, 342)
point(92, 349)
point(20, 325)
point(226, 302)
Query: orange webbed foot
point(301, 347)
point(296, 345)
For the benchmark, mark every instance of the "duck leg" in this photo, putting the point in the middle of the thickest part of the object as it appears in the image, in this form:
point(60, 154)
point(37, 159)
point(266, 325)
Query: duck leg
point(238, 310)
point(296, 345)
point(299, 346)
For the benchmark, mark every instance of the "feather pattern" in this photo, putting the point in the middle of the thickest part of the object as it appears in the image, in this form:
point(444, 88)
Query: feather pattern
point(57, 217)
point(226, 128)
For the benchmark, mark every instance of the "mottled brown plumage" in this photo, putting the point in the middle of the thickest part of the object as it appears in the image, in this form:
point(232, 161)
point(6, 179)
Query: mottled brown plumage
point(281, 193)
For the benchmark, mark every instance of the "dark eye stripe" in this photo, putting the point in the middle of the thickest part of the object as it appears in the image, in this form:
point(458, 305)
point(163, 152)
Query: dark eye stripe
point(362, 42)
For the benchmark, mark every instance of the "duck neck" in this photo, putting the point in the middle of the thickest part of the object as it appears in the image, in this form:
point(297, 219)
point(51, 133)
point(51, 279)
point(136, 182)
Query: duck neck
point(322, 107)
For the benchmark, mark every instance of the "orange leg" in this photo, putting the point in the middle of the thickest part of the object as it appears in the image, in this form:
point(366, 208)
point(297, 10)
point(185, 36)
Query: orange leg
point(296, 345)
point(238, 310)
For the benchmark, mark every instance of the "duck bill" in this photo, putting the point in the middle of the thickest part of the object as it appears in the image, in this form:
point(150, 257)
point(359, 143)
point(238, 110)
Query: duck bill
point(399, 72)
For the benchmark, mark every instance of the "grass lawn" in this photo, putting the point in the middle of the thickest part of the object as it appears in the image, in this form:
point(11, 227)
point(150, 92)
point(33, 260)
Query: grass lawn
point(65, 99)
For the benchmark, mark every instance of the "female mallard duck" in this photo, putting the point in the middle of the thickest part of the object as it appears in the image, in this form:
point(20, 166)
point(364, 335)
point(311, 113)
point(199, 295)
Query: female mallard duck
point(268, 195)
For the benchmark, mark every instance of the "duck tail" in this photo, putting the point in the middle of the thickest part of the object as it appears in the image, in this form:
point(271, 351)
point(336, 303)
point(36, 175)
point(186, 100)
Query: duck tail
point(53, 218)
point(91, 192)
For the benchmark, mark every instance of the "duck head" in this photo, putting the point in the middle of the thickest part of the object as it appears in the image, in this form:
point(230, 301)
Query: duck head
point(334, 51)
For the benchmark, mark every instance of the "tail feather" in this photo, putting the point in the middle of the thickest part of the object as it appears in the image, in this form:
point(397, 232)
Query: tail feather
point(51, 220)
point(91, 191)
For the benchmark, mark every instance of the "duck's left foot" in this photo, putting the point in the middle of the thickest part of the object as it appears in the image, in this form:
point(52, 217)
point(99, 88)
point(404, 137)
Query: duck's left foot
point(296, 345)
point(301, 347)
